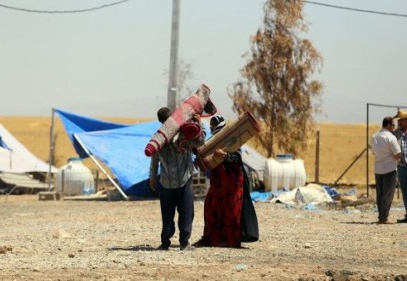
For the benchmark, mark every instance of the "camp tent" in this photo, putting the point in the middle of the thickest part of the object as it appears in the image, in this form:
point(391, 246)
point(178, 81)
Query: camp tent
point(17, 164)
point(121, 148)
point(253, 160)
point(16, 158)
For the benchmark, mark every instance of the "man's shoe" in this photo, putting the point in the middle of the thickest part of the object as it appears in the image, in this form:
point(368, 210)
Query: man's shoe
point(402, 220)
point(186, 247)
point(383, 222)
point(162, 248)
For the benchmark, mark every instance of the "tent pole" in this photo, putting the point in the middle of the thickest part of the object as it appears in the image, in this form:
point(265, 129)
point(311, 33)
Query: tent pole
point(101, 168)
point(51, 148)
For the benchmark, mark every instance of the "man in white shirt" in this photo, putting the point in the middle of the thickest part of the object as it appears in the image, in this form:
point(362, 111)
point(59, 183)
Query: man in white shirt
point(387, 153)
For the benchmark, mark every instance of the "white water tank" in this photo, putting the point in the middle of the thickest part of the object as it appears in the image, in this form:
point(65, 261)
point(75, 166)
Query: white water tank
point(284, 173)
point(74, 178)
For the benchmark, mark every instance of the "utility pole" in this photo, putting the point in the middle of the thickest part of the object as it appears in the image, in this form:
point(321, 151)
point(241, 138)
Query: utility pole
point(172, 97)
point(317, 157)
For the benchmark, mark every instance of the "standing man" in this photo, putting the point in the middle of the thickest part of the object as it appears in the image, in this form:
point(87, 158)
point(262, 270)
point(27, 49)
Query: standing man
point(387, 152)
point(177, 168)
point(402, 166)
point(397, 132)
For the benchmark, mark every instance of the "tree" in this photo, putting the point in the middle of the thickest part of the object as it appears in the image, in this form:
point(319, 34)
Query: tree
point(277, 86)
point(184, 74)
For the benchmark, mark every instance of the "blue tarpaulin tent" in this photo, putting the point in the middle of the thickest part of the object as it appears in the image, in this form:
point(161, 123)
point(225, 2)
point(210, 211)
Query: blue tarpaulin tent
point(119, 146)
point(74, 123)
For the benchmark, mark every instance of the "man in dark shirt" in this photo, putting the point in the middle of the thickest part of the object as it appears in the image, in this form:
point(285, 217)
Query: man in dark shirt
point(177, 168)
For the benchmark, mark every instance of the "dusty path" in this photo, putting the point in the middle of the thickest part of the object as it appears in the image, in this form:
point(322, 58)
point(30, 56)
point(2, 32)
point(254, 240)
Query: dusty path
point(76, 240)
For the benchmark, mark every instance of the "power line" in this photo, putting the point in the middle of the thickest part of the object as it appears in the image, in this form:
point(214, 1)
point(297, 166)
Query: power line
point(357, 10)
point(63, 12)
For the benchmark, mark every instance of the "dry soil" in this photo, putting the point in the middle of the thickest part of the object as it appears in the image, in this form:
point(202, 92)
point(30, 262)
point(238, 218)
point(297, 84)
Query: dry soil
point(116, 240)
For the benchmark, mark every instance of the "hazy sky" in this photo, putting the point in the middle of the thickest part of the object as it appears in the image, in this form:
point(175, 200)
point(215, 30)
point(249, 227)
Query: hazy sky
point(113, 62)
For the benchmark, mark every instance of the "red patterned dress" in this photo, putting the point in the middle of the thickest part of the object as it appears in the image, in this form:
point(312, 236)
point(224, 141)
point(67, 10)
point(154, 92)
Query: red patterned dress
point(223, 204)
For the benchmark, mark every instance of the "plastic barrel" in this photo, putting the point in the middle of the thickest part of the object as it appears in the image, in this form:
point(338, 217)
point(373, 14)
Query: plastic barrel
point(75, 178)
point(284, 173)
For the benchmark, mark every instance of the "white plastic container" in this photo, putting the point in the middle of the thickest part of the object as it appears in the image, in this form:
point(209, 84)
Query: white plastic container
point(74, 178)
point(284, 173)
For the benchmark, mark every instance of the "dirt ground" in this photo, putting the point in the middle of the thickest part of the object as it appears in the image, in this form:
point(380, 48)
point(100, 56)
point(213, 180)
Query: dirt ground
point(116, 240)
